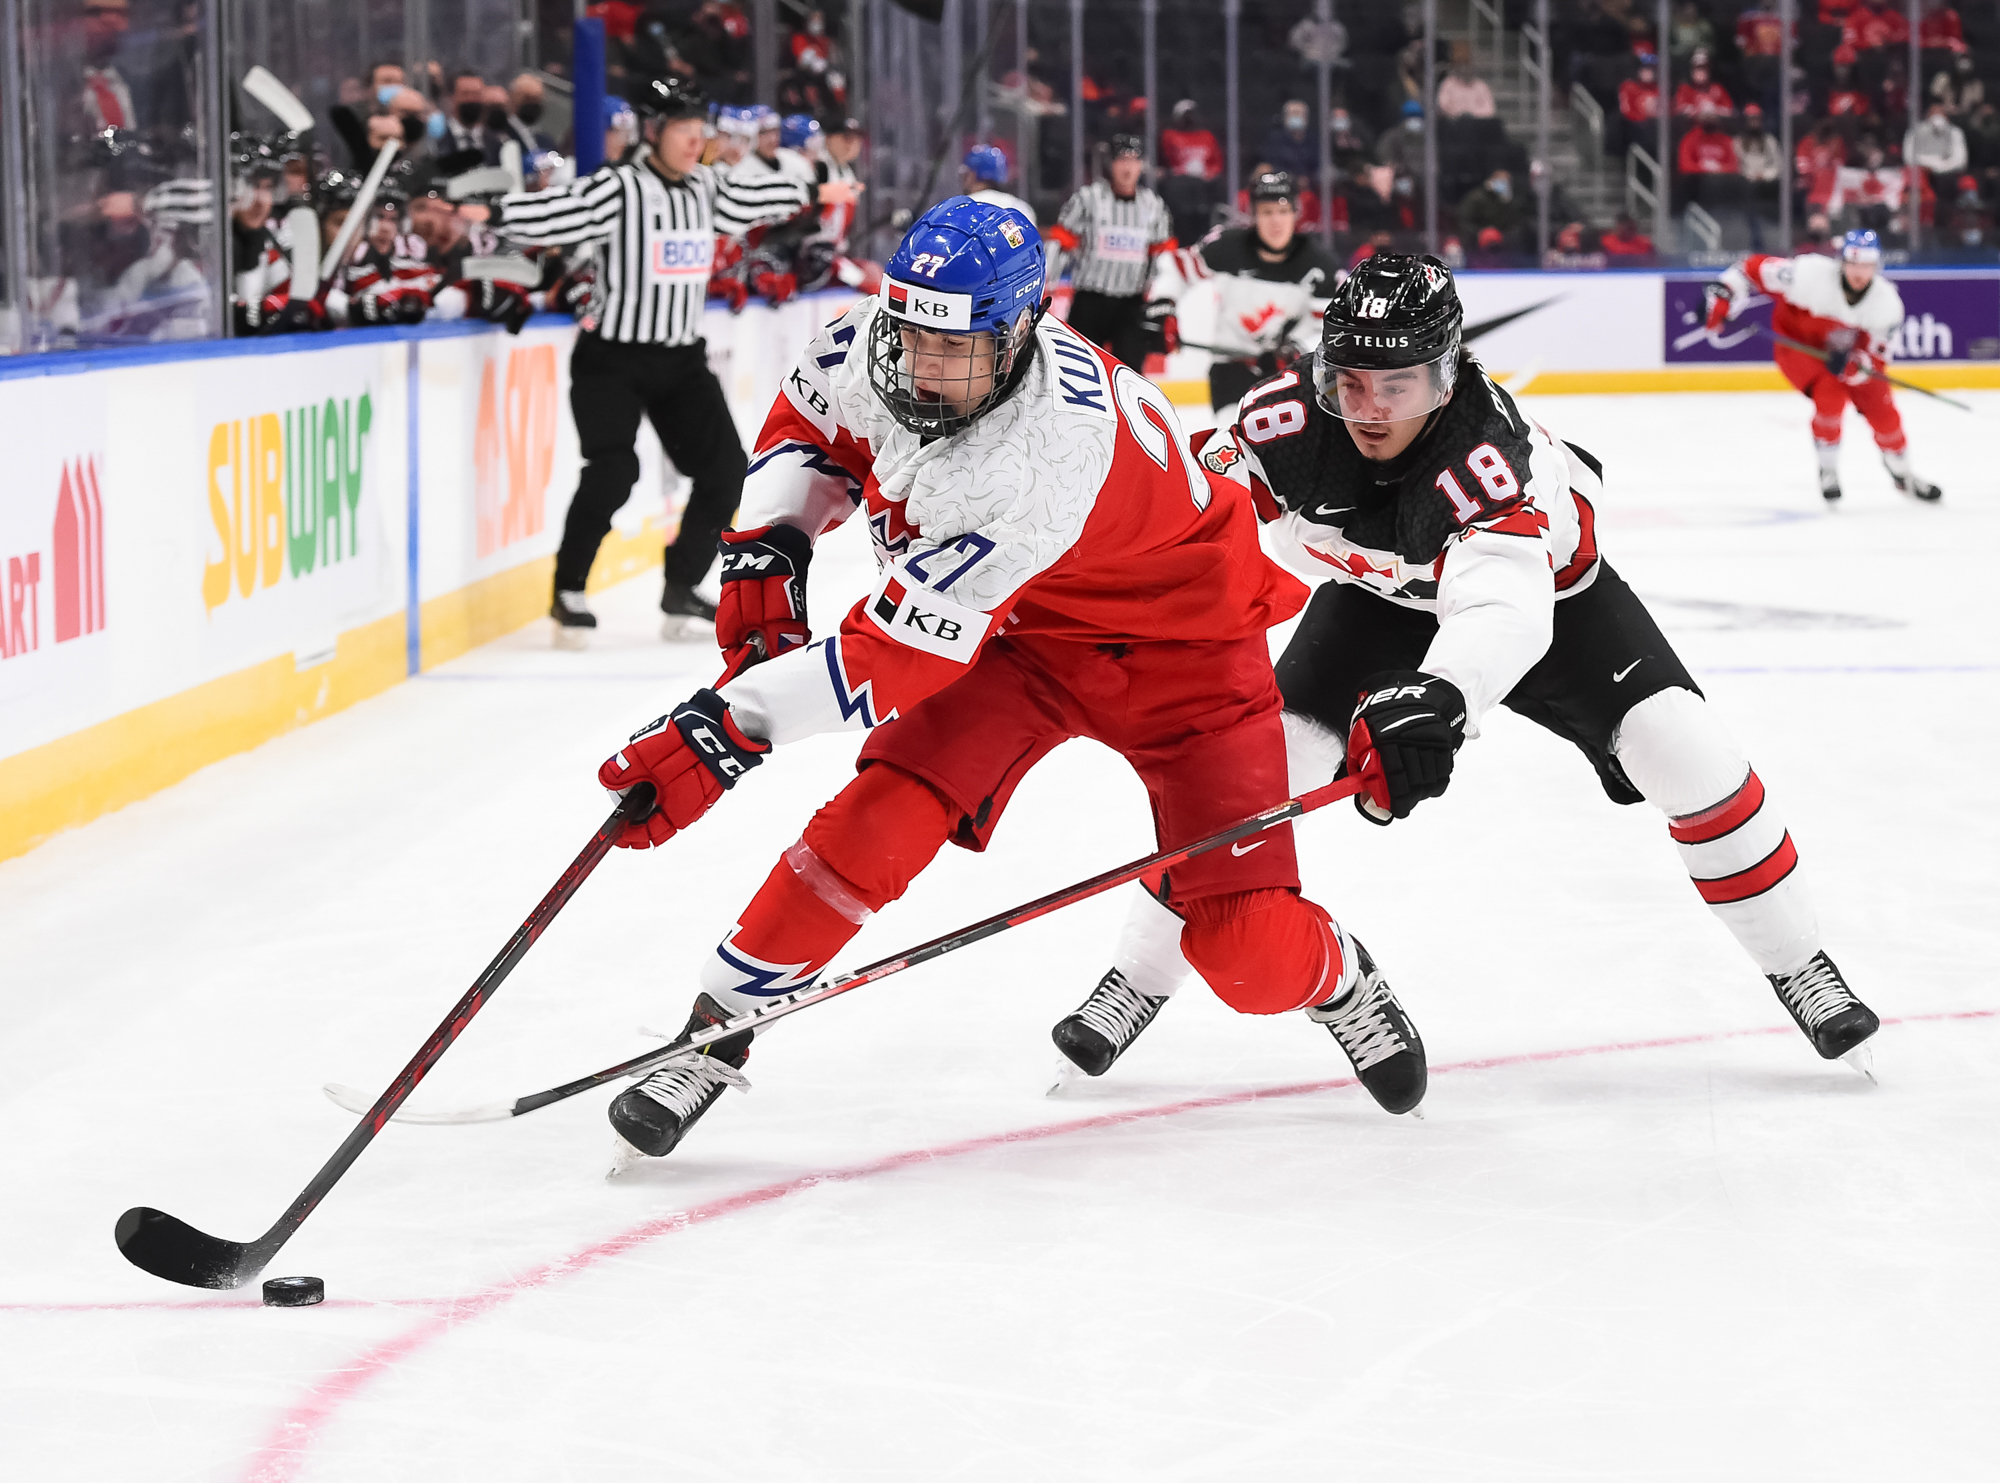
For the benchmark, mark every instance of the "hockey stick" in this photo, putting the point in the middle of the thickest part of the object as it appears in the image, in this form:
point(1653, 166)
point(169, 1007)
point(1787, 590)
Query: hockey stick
point(937, 947)
point(336, 255)
point(301, 222)
point(1821, 356)
point(158, 1243)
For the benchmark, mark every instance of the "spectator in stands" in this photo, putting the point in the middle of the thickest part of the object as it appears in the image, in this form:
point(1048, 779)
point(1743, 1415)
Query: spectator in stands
point(717, 45)
point(1760, 40)
point(525, 105)
point(1970, 222)
point(816, 81)
point(106, 97)
point(1815, 161)
point(1871, 192)
point(1626, 242)
point(465, 124)
point(1289, 146)
point(1492, 206)
point(1982, 143)
point(1639, 105)
point(1689, 32)
point(1708, 163)
point(1191, 159)
point(1938, 28)
point(1845, 97)
point(1347, 141)
point(1701, 96)
point(1463, 93)
point(1960, 89)
point(1937, 146)
point(1402, 149)
point(1816, 236)
point(1874, 24)
point(1761, 163)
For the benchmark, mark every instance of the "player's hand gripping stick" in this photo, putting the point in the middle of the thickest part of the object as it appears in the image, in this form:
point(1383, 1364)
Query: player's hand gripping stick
point(762, 612)
point(690, 757)
point(157, 1242)
point(1406, 730)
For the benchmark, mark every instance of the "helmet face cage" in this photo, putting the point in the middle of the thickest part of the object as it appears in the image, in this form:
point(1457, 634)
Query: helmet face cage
point(972, 360)
point(1360, 393)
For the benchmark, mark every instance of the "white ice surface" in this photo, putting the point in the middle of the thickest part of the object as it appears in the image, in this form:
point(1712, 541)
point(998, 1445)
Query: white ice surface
point(1717, 1258)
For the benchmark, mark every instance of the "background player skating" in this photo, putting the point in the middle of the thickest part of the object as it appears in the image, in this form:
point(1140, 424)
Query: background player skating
point(1054, 564)
point(1849, 310)
point(1265, 287)
point(1460, 542)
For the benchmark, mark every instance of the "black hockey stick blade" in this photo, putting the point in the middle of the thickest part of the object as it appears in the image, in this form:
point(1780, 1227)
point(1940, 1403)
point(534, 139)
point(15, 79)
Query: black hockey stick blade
point(167, 1247)
point(937, 947)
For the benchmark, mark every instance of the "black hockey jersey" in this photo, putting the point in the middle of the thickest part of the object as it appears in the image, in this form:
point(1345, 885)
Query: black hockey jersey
point(1257, 305)
point(1485, 520)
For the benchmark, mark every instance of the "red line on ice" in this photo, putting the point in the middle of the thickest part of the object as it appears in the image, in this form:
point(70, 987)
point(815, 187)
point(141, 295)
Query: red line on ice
point(283, 1453)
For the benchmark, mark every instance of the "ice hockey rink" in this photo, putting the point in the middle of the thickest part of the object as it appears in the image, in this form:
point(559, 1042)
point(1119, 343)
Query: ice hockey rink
point(1641, 1233)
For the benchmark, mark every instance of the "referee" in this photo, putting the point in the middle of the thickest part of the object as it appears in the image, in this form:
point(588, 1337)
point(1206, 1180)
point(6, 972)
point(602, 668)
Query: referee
point(640, 350)
point(1110, 233)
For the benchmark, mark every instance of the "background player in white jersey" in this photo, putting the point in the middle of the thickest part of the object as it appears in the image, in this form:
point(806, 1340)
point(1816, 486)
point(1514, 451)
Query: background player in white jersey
point(1460, 542)
point(1110, 235)
point(1054, 564)
point(1849, 312)
point(1260, 289)
point(982, 175)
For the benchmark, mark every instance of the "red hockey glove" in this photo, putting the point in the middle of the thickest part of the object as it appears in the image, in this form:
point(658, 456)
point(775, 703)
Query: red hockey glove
point(691, 757)
point(1162, 326)
point(731, 290)
point(1720, 299)
point(1861, 366)
point(777, 287)
point(1406, 730)
point(763, 608)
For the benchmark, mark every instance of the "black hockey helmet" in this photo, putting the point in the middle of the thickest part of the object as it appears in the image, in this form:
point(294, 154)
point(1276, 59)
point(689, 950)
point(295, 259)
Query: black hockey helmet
point(1125, 146)
point(1394, 314)
point(1274, 185)
point(667, 99)
point(335, 190)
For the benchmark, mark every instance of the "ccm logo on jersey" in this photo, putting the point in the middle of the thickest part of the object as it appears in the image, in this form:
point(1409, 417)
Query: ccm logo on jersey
point(927, 307)
point(919, 618)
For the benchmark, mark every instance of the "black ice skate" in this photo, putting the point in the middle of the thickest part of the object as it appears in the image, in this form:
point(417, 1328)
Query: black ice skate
point(574, 620)
point(1916, 488)
point(1829, 486)
point(688, 614)
point(1105, 1024)
point(1378, 1037)
point(656, 1114)
point(1818, 999)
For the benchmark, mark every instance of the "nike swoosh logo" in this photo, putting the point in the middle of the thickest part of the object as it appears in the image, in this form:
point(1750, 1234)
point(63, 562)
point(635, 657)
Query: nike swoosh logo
point(1615, 679)
point(1333, 509)
point(1244, 849)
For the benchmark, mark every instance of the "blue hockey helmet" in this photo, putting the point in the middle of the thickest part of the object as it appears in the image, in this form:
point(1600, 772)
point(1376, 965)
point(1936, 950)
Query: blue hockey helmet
point(761, 116)
point(1861, 246)
point(618, 114)
point(798, 131)
point(965, 269)
point(984, 162)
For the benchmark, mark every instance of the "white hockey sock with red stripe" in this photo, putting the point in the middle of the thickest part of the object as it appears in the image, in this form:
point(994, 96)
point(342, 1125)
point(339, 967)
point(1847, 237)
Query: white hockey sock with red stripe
point(1732, 841)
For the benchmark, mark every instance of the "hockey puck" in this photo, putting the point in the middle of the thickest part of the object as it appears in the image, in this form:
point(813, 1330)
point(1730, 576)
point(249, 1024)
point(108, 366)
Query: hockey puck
point(294, 1292)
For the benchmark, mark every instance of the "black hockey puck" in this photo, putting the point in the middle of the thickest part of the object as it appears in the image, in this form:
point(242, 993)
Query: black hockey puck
point(294, 1292)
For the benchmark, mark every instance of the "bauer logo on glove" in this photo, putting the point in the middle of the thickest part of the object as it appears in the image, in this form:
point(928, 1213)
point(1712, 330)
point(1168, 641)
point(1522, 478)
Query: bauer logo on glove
point(1407, 728)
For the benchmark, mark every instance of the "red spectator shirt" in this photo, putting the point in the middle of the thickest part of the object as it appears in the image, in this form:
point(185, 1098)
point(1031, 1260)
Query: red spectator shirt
point(1191, 152)
point(1940, 31)
point(1866, 29)
point(1760, 33)
point(1636, 245)
point(1842, 102)
point(1708, 152)
point(1637, 102)
point(1817, 162)
point(1693, 102)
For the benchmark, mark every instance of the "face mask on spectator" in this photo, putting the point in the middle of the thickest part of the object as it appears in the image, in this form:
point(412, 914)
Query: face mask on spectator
point(1501, 186)
point(1414, 123)
point(529, 113)
point(434, 126)
point(470, 113)
point(386, 94)
point(496, 117)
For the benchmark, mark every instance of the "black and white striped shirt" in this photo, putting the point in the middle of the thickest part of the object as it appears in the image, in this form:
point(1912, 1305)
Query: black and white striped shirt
point(658, 239)
point(1110, 241)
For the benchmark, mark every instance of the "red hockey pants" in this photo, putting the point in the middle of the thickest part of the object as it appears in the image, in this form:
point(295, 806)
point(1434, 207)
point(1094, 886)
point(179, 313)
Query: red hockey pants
point(1830, 396)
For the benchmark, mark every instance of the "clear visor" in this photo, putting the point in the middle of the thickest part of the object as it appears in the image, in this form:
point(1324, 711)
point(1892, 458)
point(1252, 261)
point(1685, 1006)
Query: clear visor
point(1357, 395)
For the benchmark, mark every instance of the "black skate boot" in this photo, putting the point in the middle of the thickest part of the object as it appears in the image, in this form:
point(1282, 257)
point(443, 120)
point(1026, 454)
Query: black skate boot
point(656, 1114)
point(1916, 487)
point(1829, 486)
point(574, 620)
point(1378, 1037)
point(1105, 1024)
point(688, 614)
point(1819, 1001)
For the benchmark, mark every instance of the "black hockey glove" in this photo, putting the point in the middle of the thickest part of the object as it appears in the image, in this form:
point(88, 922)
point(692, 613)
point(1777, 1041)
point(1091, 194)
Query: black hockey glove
point(1839, 346)
point(1406, 730)
point(1163, 335)
point(504, 304)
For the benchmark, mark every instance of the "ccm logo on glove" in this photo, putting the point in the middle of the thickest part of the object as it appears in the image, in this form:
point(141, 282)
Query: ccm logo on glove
point(690, 763)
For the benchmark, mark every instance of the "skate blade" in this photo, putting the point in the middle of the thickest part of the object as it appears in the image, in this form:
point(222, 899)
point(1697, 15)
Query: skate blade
point(571, 638)
point(1862, 1059)
point(624, 1159)
point(1417, 1112)
point(683, 628)
point(1068, 1073)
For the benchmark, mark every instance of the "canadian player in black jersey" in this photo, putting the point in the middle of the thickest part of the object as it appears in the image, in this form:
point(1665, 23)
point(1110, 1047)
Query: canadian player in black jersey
point(1265, 286)
point(1459, 538)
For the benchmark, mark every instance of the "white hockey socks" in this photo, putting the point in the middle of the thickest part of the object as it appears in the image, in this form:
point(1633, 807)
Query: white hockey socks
point(1829, 457)
point(1735, 846)
point(1149, 948)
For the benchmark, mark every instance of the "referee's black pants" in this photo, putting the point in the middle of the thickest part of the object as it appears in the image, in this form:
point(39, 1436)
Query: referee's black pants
point(611, 386)
point(1118, 323)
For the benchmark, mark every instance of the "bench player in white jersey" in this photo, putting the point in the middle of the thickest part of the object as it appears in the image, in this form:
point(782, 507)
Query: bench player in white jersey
point(1849, 311)
point(982, 175)
point(1054, 563)
point(1461, 545)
